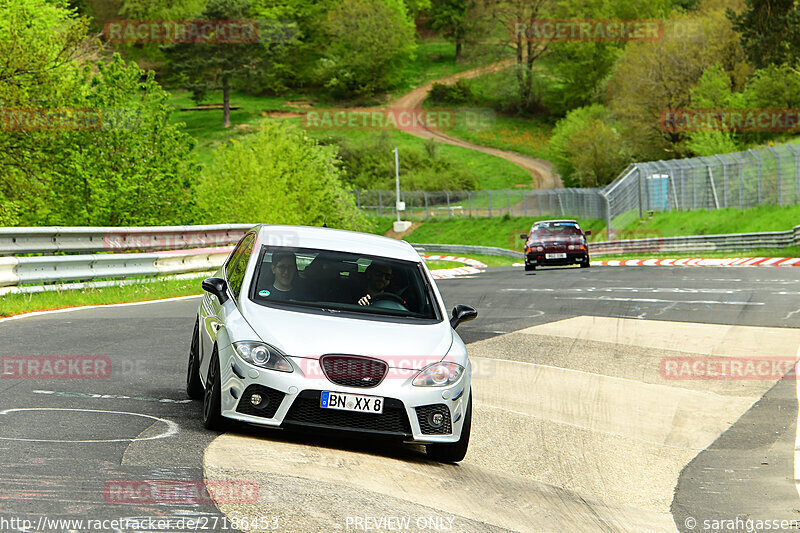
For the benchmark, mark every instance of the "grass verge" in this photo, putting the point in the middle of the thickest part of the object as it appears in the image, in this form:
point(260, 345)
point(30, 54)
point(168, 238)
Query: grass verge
point(14, 304)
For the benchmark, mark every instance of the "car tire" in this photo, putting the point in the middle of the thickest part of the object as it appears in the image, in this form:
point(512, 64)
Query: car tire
point(455, 452)
point(585, 264)
point(528, 267)
point(212, 415)
point(194, 387)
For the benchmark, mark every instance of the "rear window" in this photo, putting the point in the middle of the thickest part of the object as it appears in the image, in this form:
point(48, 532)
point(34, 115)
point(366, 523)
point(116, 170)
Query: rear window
point(329, 281)
point(564, 228)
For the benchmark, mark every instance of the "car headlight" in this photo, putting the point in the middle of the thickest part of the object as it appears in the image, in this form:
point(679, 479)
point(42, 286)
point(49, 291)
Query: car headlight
point(540, 249)
point(573, 247)
point(263, 355)
point(439, 374)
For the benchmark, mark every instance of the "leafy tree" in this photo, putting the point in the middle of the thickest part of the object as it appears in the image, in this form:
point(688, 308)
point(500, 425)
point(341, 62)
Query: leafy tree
point(369, 43)
point(769, 31)
point(654, 77)
point(587, 148)
point(136, 169)
point(526, 49)
point(775, 87)
point(213, 66)
point(454, 19)
point(278, 176)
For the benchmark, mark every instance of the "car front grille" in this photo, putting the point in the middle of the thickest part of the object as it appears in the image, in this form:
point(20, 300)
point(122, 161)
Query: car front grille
point(353, 371)
point(425, 414)
point(270, 401)
point(305, 411)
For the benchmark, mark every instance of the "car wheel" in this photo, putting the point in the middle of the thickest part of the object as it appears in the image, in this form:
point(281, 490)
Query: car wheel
point(194, 387)
point(212, 417)
point(455, 452)
point(528, 267)
point(585, 264)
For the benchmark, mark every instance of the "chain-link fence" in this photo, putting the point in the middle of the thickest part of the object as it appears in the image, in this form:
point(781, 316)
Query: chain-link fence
point(580, 203)
point(743, 179)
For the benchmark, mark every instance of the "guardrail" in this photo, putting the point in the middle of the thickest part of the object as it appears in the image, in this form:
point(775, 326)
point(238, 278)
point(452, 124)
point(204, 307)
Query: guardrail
point(700, 243)
point(48, 269)
point(48, 240)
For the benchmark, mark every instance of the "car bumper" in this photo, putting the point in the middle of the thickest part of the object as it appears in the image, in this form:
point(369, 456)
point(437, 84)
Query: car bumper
point(540, 259)
point(294, 401)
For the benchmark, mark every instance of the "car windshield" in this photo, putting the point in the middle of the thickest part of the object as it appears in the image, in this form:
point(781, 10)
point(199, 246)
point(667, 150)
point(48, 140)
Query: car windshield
point(556, 228)
point(343, 282)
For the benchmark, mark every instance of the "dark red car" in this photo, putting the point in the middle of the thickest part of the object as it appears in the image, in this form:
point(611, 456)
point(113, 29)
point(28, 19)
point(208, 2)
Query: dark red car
point(556, 242)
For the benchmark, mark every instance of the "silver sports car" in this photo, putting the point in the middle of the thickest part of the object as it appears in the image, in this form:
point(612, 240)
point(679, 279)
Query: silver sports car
point(332, 330)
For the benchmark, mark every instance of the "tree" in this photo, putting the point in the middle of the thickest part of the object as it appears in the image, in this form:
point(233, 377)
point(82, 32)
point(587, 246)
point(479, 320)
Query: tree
point(653, 77)
point(769, 31)
point(278, 176)
point(369, 43)
point(587, 147)
point(212, 66)
point(454, 19)
point(527, 49)
point(124, 164)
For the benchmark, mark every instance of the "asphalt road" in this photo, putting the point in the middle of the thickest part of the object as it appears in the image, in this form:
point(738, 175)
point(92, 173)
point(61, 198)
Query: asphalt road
point(546, 464)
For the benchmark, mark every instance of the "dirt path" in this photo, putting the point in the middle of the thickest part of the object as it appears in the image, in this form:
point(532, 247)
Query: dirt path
point(542, 171)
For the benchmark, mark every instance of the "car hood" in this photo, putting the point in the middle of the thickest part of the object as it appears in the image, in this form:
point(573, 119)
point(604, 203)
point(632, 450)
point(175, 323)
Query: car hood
point(311, 335)
point(556, 239)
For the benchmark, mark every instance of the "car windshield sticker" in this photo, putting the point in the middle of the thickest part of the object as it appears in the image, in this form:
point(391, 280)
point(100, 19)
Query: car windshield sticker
point(263, 293)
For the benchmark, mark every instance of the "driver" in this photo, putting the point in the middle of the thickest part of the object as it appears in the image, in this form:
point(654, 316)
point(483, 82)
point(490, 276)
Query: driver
point(378, 278)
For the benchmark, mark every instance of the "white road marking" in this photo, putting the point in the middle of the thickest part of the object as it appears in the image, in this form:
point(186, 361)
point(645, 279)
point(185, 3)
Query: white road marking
point(656, 300)
point(96, 396)
point(172, 427)
point(787, 317)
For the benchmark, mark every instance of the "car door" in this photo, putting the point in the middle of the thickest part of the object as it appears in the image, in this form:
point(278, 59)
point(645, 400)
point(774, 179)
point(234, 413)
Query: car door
point(213, 314)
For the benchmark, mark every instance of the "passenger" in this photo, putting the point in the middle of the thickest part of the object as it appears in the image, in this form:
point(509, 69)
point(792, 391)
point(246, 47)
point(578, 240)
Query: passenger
point(378, 278)
point(284, 270)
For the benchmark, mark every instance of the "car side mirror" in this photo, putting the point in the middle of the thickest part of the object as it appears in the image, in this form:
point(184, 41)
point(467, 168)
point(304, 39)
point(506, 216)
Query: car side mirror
point(523, 235)
point(462, 313)
point(587, 232)
point(218, 287)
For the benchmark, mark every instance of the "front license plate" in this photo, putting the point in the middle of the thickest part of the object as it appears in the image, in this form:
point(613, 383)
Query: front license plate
point(555, 256)
point(351, 402)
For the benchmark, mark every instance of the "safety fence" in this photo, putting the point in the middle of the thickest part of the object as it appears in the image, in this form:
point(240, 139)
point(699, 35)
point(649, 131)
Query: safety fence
point(764, 176)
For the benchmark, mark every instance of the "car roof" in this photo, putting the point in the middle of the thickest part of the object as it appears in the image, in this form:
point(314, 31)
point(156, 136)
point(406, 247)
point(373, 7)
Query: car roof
point(557, 220)
point(335, 240)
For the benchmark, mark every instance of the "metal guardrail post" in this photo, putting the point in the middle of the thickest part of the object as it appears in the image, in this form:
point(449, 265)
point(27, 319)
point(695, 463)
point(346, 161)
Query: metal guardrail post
point(758, 158)
point(469, 202)
point(724, 181)
point(735, 155)
point(449, 211)
point(778, 174)
point(425, 197)
point(640, 184)
point(490, 202)
point(796, 172)
point(380, 203)
point(508, 202)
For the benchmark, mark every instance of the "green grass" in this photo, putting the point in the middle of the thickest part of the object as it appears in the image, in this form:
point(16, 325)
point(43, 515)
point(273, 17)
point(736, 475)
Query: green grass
point(491, 171)
point(522, 135)
point(434, 265)
point(14, 304)
point(435, 59)
point(712, 222)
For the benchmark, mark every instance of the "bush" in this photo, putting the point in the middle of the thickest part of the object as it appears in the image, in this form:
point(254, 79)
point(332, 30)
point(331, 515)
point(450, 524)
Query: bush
point(587, 147)
point(458, 93)
point(277, 176)
point(369, 43)
point(369, 164)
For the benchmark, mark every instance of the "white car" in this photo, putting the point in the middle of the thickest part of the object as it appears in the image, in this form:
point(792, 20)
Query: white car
point(332, 330)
